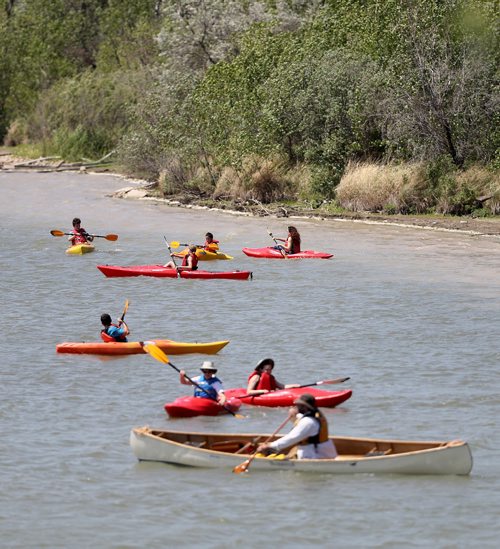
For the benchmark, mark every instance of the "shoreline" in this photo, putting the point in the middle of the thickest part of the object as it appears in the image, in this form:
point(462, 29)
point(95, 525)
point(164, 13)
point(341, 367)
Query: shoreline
point(143, 190)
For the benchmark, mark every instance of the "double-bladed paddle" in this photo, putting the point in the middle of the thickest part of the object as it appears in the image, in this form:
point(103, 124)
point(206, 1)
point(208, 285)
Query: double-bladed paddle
point(173, 258)
point(111, 237)
point(153, 349)
point(243, 467)
point(125, 309)
point(176, 244)
point(279, 247)
point(323, 382)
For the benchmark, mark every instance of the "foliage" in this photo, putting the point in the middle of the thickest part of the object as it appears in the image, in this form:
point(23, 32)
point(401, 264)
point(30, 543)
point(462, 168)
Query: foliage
point(195, 91)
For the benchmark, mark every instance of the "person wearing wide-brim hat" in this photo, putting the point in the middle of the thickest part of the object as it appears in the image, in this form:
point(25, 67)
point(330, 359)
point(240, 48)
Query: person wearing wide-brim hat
point(262, 381)
point(309, 434)
point(207, 385)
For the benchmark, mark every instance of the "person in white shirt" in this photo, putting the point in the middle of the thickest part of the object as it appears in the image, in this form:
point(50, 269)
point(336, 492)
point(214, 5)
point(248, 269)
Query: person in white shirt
point(310, 433)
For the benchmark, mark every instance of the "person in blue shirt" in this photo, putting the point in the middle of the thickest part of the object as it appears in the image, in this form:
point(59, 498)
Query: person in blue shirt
point(209, 386)
point(116, 332)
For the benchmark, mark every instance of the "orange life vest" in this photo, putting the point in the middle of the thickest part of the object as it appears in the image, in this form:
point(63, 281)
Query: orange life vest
point(322, 435)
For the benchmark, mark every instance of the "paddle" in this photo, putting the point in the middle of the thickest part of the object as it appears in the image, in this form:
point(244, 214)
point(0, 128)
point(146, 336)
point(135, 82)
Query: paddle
point(243, 467)
point(153, 349)
point(125, 309)
point(176, 244)
point(111, 237)
point(323, 382)
point(279, 247)
point(173, 258)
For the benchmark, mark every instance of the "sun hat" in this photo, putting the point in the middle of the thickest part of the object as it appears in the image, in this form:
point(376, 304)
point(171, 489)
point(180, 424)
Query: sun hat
point(306, 400)
point(263, 362)
point(208, 365)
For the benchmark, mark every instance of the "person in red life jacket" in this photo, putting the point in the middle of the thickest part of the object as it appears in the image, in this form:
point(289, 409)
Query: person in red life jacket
point(211, 245)
point(292, 241)
point(309, 434)
point(262, 381)
point(79, 235)
point(189, 261)
point(113, 332)
point(209, 386)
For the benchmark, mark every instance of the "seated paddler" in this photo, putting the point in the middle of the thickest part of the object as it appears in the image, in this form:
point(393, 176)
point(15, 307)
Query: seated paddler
point(309, 434)
point(208, 385)
point(262, 381)
point(113, 332)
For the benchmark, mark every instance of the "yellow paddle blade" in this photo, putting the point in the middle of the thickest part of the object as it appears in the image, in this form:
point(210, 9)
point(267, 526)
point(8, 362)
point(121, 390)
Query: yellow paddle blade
point(55, 232)
point(153, 350)
point(125, 309)
point(174, 244)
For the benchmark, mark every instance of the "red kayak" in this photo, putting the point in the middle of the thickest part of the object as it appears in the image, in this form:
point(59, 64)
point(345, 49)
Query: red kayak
point(285, 397)
point(163, 272)
point(273, 253)
point(190, 406)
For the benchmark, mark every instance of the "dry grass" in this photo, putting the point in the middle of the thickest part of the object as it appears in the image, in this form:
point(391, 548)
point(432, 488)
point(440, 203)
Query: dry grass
point(263, 179)
point(375, 187)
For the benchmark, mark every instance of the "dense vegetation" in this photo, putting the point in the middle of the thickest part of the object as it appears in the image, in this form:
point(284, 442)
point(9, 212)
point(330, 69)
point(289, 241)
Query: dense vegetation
point(378, 104)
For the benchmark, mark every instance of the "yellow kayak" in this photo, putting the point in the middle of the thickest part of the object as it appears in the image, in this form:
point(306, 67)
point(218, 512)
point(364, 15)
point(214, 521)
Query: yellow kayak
point(206, 255)
point(79, 249)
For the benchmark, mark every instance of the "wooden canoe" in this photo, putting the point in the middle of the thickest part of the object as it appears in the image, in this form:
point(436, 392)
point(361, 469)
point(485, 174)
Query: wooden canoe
point(135, 347)
point(356, 455)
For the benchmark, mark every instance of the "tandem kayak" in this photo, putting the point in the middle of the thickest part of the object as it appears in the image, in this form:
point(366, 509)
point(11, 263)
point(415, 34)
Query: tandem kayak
point(207, 255)
point(135, 347)
point(190, 406)
point(273, 253)
point(79, 249)
point(164, 272)
point(285, 397)
point(355, 455)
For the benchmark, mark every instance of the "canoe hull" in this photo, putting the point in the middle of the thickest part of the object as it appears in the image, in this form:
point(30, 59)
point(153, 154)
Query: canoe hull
point(80, 249)
point(273, 253)
point(134, 348)
point(324, 399)
point(162, 272)
point(190, 406)
point(186, 448)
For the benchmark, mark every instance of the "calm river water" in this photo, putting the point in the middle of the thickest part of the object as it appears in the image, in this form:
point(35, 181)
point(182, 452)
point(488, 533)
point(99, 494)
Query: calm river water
point(412, 316)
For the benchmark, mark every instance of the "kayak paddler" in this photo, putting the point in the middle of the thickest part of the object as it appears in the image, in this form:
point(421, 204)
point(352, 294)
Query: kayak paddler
point(113, 332)
point(207, 385)
point(262, 381)
point(292, 241)
point(211, 245)
point(79, 235)
point(189, 261)
point(309, 434)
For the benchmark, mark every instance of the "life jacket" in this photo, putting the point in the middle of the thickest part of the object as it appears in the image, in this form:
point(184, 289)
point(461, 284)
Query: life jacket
point(322, 435)
point(194, 262)
point(107, 338)
point(205, 389)
point(295, 248)
point(212, 246)
point(79, 237)
point(266, 381)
